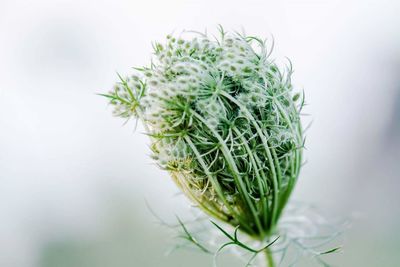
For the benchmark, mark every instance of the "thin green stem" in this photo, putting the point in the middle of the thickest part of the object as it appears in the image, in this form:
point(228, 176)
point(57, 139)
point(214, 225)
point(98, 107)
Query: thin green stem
point(257, 171)
point(269, 258)
point(266, 213)
point(275, 176)
point(297, 156)
point(234, 170)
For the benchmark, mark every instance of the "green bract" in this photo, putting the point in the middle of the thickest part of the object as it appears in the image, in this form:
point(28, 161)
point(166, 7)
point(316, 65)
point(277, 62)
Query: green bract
point(224, 122)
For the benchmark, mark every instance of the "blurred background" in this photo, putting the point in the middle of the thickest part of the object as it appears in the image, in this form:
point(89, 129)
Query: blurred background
point(74, 180)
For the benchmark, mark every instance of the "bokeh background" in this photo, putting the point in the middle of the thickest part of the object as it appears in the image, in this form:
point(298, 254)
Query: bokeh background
point(74, 180)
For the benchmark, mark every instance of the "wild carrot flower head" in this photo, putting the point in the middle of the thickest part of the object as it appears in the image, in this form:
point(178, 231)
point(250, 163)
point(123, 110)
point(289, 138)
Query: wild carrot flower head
point(223, 121)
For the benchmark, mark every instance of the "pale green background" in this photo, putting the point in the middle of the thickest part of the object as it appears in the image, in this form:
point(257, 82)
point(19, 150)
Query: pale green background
point(73, 181)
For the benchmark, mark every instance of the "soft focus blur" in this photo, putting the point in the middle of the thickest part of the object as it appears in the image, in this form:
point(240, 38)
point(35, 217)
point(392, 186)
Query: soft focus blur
point(74, 181)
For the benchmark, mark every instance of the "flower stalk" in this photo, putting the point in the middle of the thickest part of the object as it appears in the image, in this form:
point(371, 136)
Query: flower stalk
point(269, 258)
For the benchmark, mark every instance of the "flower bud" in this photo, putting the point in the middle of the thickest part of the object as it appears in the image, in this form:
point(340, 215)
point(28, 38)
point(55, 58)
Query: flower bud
point(224, 122)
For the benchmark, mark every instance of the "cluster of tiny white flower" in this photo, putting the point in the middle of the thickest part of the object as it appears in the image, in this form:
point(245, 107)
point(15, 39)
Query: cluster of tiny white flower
point(223, 121)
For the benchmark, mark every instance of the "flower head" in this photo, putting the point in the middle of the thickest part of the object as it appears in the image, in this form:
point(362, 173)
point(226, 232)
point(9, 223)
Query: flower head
point(224, 122)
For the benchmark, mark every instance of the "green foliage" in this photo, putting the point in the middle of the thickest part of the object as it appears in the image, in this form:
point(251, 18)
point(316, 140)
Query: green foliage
point(223, 120)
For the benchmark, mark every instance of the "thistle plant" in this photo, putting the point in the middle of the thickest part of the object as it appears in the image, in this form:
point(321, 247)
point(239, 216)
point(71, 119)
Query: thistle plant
point(224, 121)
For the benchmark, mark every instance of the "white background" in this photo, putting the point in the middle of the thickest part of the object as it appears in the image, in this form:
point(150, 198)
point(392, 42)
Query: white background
point(73, 179)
